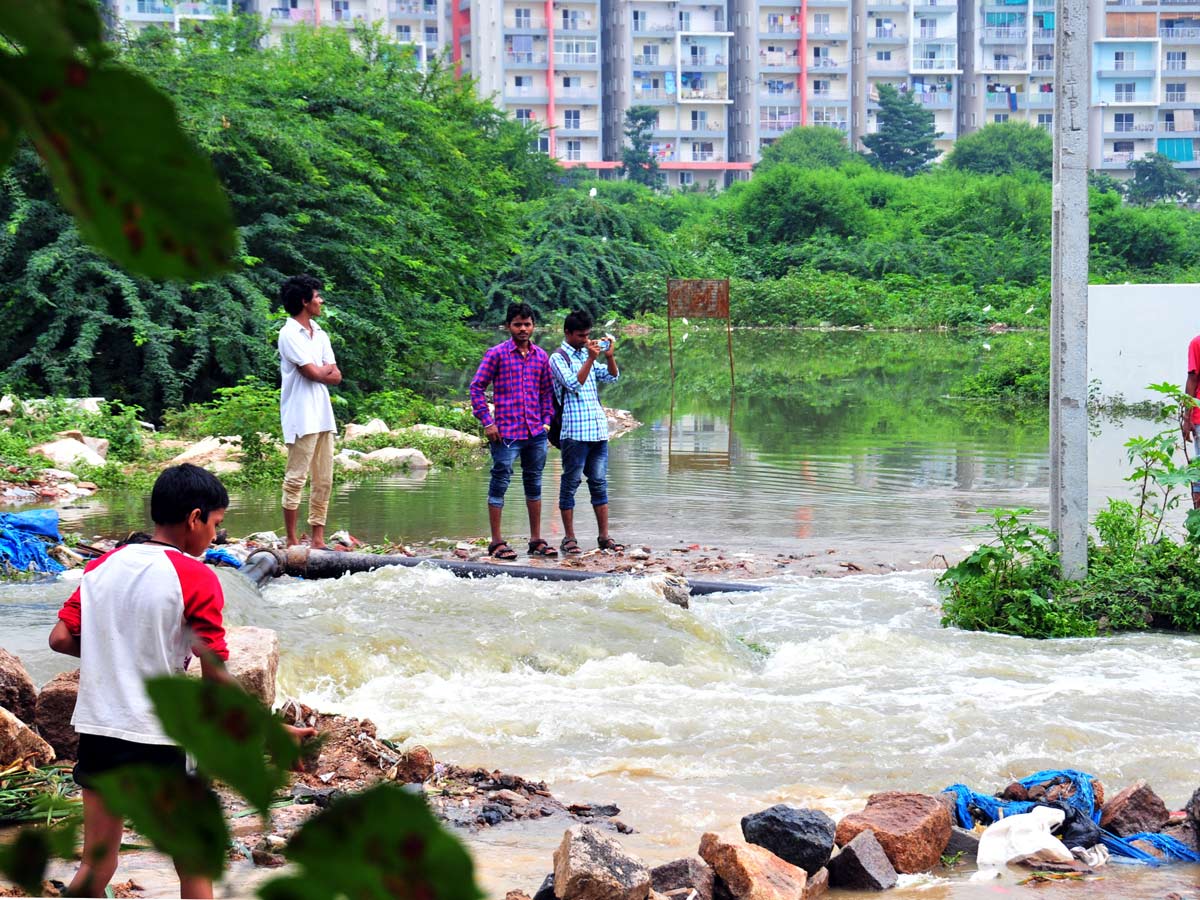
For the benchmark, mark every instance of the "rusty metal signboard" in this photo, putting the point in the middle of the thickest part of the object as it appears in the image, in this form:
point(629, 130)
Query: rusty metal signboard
point(698, 298)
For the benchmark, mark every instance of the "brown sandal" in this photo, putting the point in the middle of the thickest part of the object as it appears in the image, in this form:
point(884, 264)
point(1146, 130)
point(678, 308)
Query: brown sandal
point(541, 548)
point(501, 550)
point(609, 544)
point(570, 547)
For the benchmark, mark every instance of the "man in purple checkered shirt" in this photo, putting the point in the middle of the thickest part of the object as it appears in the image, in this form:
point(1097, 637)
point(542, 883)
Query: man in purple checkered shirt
point(519, 373)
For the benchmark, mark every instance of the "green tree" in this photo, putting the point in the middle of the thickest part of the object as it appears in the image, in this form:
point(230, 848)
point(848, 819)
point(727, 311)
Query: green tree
point(904, 143)
point(1155, 178)
point(1002, 148)
point(808, 147)
point(637, 162)
point(787, 204)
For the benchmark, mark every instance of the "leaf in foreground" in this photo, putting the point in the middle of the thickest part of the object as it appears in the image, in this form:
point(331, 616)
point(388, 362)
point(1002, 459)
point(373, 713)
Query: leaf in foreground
point(23, 862)
point(381, 843)
point(179, 814)
point(227, 732)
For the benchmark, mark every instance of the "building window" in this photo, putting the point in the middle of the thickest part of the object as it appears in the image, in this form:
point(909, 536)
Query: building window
point(883, 55)
point(1124, 60)
point(404, 33)
point(524, 116)
point(1046, 121)
point(571, 119)
point(1044, 62)
point(821, 88)
point(699, 119)
point(821, 23)
point(776, 87)
point(685, 21)
point(574, 150)
point(1122, 146)
point(686, 179)
point(928, 28)
point(640, 21)
point(524, 18)
point(1176, 60)
point(649, 55)
point(431, 35)
point(572, 82)
point(543, 145)
point(1176, 92)
point(1123, 122)
point(1000, 118)
point(1126, 92)
point(820, 56)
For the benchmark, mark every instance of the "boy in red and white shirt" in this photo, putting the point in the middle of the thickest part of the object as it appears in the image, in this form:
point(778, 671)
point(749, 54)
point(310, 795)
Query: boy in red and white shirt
point(141, 611)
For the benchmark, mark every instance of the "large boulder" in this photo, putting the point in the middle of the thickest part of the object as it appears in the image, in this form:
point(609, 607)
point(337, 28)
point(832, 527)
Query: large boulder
point(1185, 832)
point(862, 866)
point(1193, 808)
point(210, 450)
point(803, 837)
point(397, 456)
point(1136, 808)
point(19, 745)
point(435, 431)
point(100, 445)
point(55, 706)
point(818, 885)
point(18, 693)
point(253, 660)
point(913, 829)
point(589, 865)
point(752, 872)
point(67, 452)
point(354, 431)
point(687, 874)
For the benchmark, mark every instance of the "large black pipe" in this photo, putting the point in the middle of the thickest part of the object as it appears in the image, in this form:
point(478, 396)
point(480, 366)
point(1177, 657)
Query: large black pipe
point(306, 563)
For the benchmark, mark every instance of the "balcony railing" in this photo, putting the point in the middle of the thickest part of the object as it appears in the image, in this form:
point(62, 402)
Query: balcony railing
point(1127, 65)
point(530, 24)
point(781, 29)
point(703, 156)
point(826, 62)
point(927, 33)
point(346, 17)
point(214, 8)
point(1004, 34)
point(525, 90)
point(656, 28)
point(581, 125)
point(649, 94)
point(1125, 97)
point(1130, 127)
point(1180, 65)
point(779, 124)
point(152, 8)
point(1041, 65)
point(831, 123)
point(888, 34)
point(585, 92)
point(1008, 65)
point(527, 59)
point(1179, 32)
point(779, 60)
point(1121, 157)
point(1181, 97)
point(939, 64)
point(940, 99)
point(1043, 34)
point(294, 15)
point(576, 59)
point(703, 94)
point(577, 25)
point(653, 61)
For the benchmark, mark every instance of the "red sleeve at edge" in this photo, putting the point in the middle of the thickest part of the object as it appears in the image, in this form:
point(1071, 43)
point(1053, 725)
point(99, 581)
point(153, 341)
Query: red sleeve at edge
point(203, 603)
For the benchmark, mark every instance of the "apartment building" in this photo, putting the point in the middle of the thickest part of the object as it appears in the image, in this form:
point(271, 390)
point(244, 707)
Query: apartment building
point(729, 77)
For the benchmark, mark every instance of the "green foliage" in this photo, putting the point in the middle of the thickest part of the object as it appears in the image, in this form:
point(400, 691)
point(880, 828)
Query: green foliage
point(382, 843)
point(24, 860)
point(249, 411)
point(787, 204)
point(135, 184)
point(226, 730)
point(1016, 370)
point(401, 407)
point(904, 142)
point(1155, 178)
point(1003, 148)
point(637, 162)
point(808, 147)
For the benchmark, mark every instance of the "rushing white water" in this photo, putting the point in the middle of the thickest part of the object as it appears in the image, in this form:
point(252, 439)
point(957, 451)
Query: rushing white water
point(816, 692)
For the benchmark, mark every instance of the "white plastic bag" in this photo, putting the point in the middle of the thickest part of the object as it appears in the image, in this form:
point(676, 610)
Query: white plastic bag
point(1019, 838)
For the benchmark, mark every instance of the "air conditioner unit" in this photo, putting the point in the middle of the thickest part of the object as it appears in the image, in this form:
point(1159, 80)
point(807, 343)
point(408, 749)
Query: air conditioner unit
point(943, 79)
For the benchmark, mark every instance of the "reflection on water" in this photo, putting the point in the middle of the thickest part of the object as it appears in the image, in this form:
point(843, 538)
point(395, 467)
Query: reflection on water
point(832, 440)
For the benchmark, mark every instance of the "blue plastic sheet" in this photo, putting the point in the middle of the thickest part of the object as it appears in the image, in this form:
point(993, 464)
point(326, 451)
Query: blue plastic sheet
point(22, 541)
point(216, 555)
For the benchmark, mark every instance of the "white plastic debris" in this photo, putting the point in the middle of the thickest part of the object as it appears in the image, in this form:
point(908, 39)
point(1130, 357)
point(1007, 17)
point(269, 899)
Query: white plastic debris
point(1021, 838)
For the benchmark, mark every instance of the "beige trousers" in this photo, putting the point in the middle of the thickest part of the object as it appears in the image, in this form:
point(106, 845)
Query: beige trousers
point(310, 454)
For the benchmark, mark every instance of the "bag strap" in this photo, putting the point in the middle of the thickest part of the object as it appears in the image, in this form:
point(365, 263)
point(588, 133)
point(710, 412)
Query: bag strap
point(555, 389)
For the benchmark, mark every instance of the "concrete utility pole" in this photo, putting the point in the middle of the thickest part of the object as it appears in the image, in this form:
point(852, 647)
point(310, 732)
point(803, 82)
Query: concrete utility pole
point(1069, 288)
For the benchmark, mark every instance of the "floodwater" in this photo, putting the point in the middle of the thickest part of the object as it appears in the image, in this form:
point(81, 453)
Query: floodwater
point(832, 440)
point(816, 692)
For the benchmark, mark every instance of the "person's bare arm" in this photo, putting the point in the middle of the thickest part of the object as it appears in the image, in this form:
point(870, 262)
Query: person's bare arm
point(1185, 414)
point(329, 374)
point(62, 641)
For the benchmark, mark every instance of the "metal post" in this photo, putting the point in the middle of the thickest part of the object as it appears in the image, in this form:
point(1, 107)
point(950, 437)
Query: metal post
point(1069, 285)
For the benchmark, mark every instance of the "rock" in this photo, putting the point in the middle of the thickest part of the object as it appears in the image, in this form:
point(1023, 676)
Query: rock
point(55, 706)
point(448, 433)
point(1186, 834)
point(803, 837)
point(19, 745)
point(1136, 808)
point(100, 445)
point(68, 452)
point(589, 865)
point(253, 660)
point(672, 588)
point(399, 457)
point(962, 841)
point(264, 537)
point(1193, 808)
point(862, 866)
point(546, 891)
point(7, 403)
point(345, 461)
point(517, 895)
point(752, 872)
point(638, 553)
point(223, 466)
point(1015, 791)
point(210, 450)
point(18, 693)
point(58, 474)
point(913, 829)
point(818, 884)
point(416, 766)
point(375, 426)
point(687, 874)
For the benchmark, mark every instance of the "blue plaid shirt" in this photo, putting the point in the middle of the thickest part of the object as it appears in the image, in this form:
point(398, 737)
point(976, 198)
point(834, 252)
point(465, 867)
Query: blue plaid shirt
point(583, 417)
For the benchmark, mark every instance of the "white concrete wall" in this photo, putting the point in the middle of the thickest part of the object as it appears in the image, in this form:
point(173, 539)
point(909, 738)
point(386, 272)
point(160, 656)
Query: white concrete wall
point(1138, 334)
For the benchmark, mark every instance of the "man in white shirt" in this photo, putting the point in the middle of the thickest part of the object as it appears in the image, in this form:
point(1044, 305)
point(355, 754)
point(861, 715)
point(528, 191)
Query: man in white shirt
point(307, 365)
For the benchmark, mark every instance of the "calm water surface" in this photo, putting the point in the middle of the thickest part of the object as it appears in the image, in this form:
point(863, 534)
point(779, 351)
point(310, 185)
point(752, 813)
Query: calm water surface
point(815, 692)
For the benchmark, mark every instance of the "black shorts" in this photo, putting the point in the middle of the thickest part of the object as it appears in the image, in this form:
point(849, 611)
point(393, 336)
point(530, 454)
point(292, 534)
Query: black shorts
point(99, 754)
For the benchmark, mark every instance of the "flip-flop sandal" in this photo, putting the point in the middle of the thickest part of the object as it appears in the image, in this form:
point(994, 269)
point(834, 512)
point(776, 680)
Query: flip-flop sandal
point(501, 550)
point(609, 544)
point(570, 547)
point(541, 548)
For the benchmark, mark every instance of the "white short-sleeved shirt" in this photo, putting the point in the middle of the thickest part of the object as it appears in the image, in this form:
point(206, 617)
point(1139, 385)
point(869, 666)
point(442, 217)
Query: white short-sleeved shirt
point(304, 406)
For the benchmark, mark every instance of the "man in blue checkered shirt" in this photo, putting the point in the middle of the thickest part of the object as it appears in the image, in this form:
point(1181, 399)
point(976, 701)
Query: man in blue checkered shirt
point(584, 425)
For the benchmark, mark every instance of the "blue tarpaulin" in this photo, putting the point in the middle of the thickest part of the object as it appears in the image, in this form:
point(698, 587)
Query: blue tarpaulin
point(21, 541)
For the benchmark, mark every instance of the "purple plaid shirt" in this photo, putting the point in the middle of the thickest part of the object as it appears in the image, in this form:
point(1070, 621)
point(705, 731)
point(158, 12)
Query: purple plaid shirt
point(521, 391)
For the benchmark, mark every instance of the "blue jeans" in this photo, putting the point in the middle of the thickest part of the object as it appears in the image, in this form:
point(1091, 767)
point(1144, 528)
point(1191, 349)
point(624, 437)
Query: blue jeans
point(583, 458)
point(533, 459)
